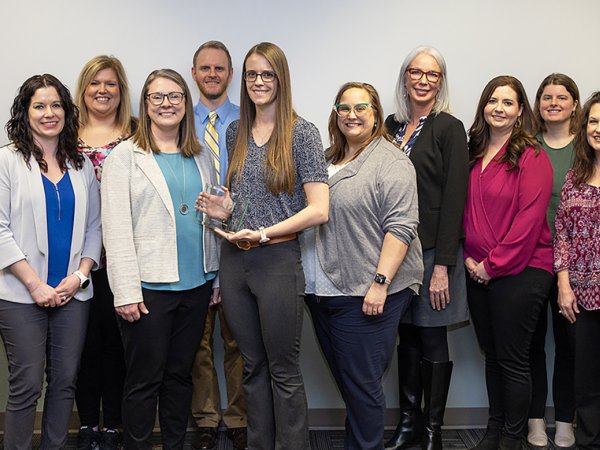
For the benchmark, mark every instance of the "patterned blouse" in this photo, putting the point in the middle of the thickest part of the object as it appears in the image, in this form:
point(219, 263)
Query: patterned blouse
point(407, 147)
point(98, 154)
point(577, 241)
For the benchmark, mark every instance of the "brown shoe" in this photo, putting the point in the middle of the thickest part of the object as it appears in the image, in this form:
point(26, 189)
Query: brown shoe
point(205, 439)
point(239, 438)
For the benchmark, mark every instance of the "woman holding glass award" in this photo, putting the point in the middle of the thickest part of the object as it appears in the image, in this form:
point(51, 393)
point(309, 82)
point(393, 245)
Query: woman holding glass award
point(161, 261)
point(277, 170)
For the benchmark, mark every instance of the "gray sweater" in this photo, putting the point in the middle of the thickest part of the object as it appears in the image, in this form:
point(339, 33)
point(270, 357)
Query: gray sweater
point(374, 195)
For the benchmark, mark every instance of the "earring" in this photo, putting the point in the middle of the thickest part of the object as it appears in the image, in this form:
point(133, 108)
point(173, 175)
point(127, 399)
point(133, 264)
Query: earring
point(519, 122)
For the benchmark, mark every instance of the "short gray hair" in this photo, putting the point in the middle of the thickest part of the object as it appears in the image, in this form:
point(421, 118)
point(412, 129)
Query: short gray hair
point(442, 100)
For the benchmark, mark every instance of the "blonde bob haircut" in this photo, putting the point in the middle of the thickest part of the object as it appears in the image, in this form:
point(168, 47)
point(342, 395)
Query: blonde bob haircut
point(187, 142)
point(402, 100)
point(280, 171)
point(89, 71)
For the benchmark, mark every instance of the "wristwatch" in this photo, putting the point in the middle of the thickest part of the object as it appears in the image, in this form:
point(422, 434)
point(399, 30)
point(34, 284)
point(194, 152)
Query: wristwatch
point(381, 279)
point(83, 280)
point(263, 236)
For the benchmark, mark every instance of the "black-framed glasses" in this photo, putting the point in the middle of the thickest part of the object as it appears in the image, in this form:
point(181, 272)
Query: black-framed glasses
point(267, 76)
point(416, 74)
point(343, 110)
point(157, 98)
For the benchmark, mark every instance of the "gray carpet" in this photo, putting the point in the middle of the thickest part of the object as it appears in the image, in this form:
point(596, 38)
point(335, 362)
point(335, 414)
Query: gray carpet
point(319, 440)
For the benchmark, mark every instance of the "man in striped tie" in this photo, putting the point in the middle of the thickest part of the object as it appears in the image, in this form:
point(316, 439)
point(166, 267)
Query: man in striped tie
point(212, 70)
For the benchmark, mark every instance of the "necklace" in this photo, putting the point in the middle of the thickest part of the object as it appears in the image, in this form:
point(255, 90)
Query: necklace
point(262, 137)
point(183, 208)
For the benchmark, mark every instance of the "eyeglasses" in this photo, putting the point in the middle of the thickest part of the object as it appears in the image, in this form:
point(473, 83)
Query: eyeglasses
point(416, 74)
point(343, 110)
point(157, 98)
point(267, 76)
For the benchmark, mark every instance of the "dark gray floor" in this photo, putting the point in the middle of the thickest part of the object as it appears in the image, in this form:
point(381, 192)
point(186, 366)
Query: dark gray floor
point(320, 440)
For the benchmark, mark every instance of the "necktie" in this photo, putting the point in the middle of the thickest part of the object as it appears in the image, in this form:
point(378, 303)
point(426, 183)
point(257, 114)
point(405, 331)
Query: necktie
point(211, 138)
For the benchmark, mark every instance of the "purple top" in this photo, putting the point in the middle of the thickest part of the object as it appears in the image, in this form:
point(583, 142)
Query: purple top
point(505, 214)
point(577, 241)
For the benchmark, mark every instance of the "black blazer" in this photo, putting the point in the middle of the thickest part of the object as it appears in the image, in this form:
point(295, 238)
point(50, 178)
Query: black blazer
point(441, 159)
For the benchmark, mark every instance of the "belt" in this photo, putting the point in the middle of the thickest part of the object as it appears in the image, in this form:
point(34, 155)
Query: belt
point(247, 245)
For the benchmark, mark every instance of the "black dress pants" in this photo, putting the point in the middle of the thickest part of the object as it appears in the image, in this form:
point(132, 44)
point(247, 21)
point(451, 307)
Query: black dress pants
point(587, 379)
point(563, 381)
point(505, 314)
point(102, 371)
point(159, 353)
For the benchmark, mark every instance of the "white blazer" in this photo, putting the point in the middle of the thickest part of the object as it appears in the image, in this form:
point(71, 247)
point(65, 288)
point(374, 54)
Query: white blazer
point(23, 227)
point(138, 222)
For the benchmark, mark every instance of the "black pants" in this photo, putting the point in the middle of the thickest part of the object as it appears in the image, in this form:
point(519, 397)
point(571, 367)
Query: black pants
point(100, 379)
point(504, 315)
point(159, 352)
point(563, 381)
point(587, 379)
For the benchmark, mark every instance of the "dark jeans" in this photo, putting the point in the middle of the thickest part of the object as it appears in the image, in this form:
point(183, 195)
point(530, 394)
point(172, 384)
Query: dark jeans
point(587, 379)
point(159, 352)
point(102, 372)
point(563, 381)
point(505, 314)
point(38, 339)
point(358, 350)
point(263, 299)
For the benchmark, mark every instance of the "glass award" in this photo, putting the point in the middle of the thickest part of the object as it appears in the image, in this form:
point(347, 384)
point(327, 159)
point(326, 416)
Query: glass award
point(230, 204)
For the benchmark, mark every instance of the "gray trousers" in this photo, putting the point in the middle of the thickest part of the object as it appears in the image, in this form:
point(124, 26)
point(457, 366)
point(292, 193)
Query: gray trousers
point(35, 339)
point(262, 291)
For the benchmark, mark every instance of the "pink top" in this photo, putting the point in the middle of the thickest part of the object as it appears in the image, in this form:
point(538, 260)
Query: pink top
point(577, 242)
point(505, 214)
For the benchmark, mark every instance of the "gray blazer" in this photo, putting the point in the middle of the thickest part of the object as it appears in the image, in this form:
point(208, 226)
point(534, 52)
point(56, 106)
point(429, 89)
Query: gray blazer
point(373, 195)
point(139, 222)
point(23, 226)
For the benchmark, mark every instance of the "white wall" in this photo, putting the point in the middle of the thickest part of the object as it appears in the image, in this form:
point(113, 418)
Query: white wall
point(327, 43)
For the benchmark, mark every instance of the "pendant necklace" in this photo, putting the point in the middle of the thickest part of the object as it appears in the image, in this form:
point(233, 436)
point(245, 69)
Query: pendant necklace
point(183, 208)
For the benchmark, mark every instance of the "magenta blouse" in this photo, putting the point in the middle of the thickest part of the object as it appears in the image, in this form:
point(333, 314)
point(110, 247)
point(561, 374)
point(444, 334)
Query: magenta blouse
point(577, 241)
point(505, 214)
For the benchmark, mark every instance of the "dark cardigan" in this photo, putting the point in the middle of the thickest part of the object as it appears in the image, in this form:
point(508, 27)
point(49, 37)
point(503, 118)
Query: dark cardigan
point(441, 160)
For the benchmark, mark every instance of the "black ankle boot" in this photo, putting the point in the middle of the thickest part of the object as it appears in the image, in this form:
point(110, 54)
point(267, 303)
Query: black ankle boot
point(408, 432)
point(436, 382)
point(490, 441)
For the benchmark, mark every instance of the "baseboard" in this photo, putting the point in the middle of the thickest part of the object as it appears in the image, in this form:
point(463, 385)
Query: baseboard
point(454, 418)
point(332, 418)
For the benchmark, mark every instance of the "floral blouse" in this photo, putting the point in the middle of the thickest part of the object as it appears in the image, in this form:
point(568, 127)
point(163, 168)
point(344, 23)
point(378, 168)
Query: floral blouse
point(577, 241)
point(98, 154)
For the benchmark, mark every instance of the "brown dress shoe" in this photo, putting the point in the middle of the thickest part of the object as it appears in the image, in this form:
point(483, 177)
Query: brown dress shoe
point(205, 439)
point(239, 437)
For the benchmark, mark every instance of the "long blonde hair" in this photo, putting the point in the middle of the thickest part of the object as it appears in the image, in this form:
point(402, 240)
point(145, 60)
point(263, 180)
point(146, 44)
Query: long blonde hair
point(280, 172)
